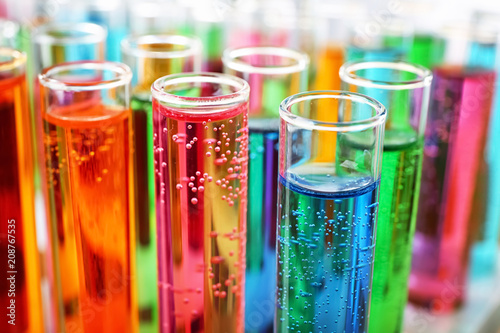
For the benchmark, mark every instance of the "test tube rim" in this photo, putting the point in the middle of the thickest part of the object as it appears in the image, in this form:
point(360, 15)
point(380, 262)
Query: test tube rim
point(18, 59)
point(193, 43)
point(238, 97)
point(94, 33)
point(346, 74)
point(230, 55)
point(349, 126)
point(124, 76)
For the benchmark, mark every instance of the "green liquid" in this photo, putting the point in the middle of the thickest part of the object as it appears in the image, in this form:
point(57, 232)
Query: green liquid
point(400, 184)
point(145, 212)
point(427, 51)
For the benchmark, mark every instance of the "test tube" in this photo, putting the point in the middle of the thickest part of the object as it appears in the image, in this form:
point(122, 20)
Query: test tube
point(87, 134)
point(403, 88)
point(55, 43)
point(20, 279)
point(273, 74)
point(391, 43)
point(151, 57)
point(453, 160)
point(201, 144)
point(327, 212)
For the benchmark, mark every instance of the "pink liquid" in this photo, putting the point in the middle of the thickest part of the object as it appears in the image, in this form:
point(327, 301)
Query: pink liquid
point(453, 158)
point(201, 174)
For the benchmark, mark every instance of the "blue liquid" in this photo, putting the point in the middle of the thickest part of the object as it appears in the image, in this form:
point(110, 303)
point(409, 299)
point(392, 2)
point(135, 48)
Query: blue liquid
point(325, 250)
point(261, 226)
point(485, 250)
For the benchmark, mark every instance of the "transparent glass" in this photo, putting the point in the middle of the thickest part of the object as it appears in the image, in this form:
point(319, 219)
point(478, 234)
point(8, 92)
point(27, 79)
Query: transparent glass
point(273, 73)
point(327, 210)
point(87, 134)
point(201, 156)
point(20, 289)
point(55, 43)
point(389, 42)
point(404, 89)
point(151, 57)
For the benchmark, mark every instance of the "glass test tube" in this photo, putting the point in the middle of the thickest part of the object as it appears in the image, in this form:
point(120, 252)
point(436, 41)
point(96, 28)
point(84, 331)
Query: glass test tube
point(273, 74)
point(151, 57)
point(327, 212)
point(20, 281)
point(87, 134)
point(455, 138)
point(392, 43)
point(201, 157)
point(56, 43)
point(404, 89)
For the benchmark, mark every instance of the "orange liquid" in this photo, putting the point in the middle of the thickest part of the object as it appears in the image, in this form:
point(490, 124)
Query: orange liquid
point(17, 203)
point(89, 181)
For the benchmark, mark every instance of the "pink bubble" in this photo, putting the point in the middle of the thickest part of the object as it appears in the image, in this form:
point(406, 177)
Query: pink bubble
point(230, 170)
point(216, 260)
point(222, 294)
point(194, 201)
point(217, 182)
point(201, 180)
point(213, 234)
point(178, 186)
point(194, 189)
point(195, 139)
point(217, 149)
point(208, 154)
point(192, 178)
point(190, 126)
point(190, 184)
point(201, 188)
point(189, 146)
point(198, 174)
point(210, 179)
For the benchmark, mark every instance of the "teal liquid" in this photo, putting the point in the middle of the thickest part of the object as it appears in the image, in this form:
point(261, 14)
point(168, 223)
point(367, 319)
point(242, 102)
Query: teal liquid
point(399, 189)
point(325, 247)
point(261, 225)
point(147, 280)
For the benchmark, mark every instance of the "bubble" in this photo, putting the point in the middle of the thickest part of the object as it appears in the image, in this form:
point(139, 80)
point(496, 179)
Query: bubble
point(195, 139)
point(201, 188)
point(230, 170)
point(217, 149)
point(164, 130)
point(192, 178)
point(216, 260)
point(201, 180)
point(213, 234)
point(178, 186)
point(194, 189)
point(164, 164)
point(222, 294)
point(190, 126)
point(189, 146)
point(194, 201)
point(99, 179)
point(208, 154)
point(210, 179)
point(190, 184)
point(175, 137)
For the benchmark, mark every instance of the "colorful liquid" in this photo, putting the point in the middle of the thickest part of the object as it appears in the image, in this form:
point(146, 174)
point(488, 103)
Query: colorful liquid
point(147, 274)
point(90, 188)
point(18, 251)
point(331, 58)
point(325, 250)
point(453, 158)
point(399, 189)
point(201, 191)
point(261, 225)
point(426, 50)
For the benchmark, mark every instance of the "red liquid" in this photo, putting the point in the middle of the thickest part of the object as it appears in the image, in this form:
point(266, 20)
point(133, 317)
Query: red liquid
point(201, 173)
point(17, 218)
point(453, 160)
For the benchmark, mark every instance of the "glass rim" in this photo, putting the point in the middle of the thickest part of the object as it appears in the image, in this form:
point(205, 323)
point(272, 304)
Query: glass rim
point(129, 45)
point(230, 55)
point(348, 126)
point(348, 69)
point(240, 96)
point(17, 60)
point(93, 33)
point(124, 76)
